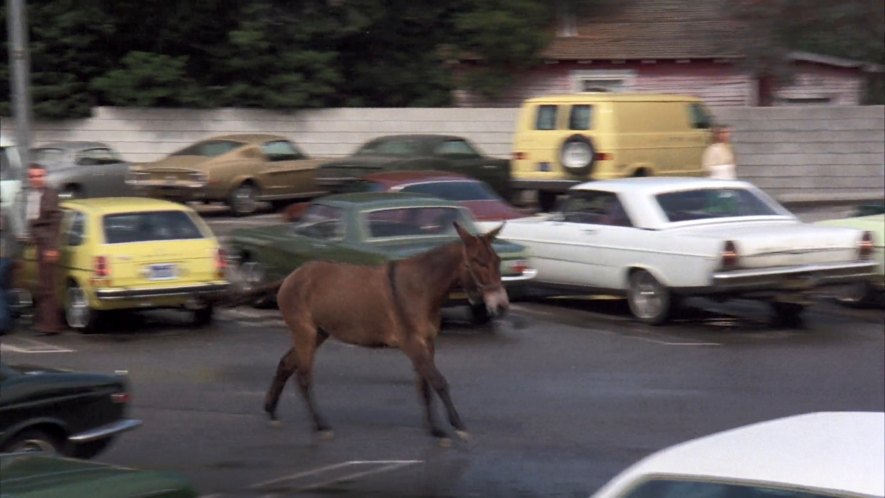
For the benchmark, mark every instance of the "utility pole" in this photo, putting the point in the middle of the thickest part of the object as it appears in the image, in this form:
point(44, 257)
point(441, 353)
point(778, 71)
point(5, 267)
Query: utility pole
point(19, 63)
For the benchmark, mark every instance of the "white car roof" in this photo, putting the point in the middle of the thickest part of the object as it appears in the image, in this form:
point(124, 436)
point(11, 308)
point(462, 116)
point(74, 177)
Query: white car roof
point(654, 184)
point(832, 451)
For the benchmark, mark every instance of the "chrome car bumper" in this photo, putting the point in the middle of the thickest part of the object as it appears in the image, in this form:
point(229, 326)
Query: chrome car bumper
point(104, 431)
point(525, 276)
point(204, 289)
point(792, 278)
point(332, 182)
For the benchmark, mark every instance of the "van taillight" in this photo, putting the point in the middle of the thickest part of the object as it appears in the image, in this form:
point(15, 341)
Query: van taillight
point(604, 156)
point(519, 156)
point(729, 255)
point(101, 268)
point(865, 248)
point(220, 263)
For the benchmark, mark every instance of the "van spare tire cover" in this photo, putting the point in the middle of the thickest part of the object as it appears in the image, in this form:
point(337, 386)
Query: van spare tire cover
point(577, 155)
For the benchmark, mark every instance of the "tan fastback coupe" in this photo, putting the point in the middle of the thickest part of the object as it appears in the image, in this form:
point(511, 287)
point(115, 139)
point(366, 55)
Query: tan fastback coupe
point(239, 170)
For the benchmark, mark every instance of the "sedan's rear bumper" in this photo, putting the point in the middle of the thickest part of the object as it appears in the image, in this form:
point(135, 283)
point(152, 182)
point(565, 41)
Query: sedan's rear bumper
point(792, 278)
point(153, 292)
point(187, 191)
point(94, 434)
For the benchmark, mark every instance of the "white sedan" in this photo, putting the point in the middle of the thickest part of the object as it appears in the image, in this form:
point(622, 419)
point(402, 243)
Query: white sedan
point(657, 239)
point(814, 455)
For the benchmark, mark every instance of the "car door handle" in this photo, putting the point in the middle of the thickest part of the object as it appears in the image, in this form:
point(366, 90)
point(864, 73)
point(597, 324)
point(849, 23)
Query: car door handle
point(590, 231)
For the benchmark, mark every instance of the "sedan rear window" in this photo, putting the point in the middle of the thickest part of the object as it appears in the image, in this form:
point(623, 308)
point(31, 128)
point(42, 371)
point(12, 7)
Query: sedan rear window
point(453, 190)
point(149, 226)
point(702, 204)
point(700, 489)
point(209, 149)
point(412, 222)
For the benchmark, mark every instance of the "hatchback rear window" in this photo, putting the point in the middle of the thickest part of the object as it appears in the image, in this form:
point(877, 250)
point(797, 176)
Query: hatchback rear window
point(149, 226)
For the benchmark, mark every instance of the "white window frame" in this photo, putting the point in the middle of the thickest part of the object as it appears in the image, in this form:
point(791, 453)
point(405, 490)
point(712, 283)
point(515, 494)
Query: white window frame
point(620, 80)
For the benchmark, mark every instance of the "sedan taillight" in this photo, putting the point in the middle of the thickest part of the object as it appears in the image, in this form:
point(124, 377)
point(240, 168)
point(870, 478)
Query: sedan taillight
point(865, 248)
point(729, 255)
point(120, 397)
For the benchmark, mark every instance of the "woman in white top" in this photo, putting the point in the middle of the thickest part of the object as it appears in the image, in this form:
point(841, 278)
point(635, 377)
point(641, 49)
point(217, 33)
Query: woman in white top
point(718, 158)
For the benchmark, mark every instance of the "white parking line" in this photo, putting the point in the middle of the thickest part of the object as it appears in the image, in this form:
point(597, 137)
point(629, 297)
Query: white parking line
point(380, 466)
point(34, 347)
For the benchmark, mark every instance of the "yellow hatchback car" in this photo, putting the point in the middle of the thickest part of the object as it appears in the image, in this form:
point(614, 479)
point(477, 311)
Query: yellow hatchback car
point(132, 253)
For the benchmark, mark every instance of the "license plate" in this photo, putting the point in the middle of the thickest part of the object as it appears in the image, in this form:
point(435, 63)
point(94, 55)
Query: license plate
point(162, 272)
point(800, 282)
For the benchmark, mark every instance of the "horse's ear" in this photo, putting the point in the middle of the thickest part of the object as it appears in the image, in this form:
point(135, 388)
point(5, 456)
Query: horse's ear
point(490, 236)
point(466, 236)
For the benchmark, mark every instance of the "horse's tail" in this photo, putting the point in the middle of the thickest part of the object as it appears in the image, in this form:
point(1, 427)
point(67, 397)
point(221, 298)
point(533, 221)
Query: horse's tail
point(239, 296)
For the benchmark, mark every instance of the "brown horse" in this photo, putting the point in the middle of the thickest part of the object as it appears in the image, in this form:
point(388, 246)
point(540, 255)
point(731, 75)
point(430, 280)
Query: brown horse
point(392, 305)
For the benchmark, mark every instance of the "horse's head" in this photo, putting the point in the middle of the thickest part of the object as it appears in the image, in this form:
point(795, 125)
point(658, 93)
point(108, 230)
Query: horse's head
point(481, 272)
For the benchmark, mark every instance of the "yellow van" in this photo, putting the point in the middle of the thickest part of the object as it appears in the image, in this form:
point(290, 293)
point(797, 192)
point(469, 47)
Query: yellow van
point(563, 140)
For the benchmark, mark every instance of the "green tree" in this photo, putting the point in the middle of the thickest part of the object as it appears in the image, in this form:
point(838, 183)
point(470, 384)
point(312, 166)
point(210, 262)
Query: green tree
point(149, 80)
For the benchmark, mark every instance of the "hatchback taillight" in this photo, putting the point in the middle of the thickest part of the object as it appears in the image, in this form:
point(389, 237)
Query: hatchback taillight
point(729, 255)
point(865, 248)
point(519, 156)
point(220, 263)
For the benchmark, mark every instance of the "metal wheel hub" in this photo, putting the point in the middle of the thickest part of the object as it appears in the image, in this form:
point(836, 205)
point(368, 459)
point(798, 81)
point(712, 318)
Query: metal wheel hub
point(244, 199)
point(647, 299)
point(77, 311)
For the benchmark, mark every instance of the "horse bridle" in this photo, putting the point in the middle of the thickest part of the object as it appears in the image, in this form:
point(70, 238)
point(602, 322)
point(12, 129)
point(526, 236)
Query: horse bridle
point(480, 287)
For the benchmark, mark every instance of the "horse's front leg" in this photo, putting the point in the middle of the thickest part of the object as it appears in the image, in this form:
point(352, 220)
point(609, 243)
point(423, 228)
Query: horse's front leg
point(285, 368)
point(305, 351)
point(420, 351)
point(429, 412)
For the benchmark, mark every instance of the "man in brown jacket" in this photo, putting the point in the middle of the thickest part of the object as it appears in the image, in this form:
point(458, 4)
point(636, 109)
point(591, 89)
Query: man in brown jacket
point(44, 220)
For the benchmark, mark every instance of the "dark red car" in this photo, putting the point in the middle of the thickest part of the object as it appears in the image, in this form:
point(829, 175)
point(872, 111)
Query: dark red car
point(475, 195)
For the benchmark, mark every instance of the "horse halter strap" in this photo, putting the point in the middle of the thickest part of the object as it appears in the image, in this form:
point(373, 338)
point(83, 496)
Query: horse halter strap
point(479, 286)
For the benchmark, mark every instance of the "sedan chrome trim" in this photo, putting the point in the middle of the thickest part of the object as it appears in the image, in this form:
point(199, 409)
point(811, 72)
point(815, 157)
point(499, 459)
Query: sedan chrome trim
point(527, 274)
point(104, 431)
point(111, 294)
point(794, 277)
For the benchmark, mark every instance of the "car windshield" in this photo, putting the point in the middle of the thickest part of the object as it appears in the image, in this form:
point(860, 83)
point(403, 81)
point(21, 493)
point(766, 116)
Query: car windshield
point(454, 190)
point(700, 204)
point(149, 226)
point(97, 155)
point(400, 147)
point(413, 222)
point(6, 170)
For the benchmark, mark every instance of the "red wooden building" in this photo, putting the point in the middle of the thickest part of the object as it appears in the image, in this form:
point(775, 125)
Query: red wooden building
point(675, 46)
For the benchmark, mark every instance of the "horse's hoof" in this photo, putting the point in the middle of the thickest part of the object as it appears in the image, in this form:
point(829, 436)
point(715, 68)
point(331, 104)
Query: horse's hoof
point(325, 435)
point(275, 423)
point(444, 442)
point(464, 435)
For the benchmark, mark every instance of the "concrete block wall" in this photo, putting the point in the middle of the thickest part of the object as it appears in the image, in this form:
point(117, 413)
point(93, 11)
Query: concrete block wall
point(797, 154)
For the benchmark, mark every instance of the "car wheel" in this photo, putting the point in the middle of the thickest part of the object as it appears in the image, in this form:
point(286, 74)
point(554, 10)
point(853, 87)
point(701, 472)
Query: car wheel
point(649, 300)
point(254, 276)
point(479, 314)
point(90, 449)
point(79, 315)
point(33, 440)
point(203, 315)
point(244, 199)
point(859, 295)
point(576, 155)
point(546, 201)
point(787, 313)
